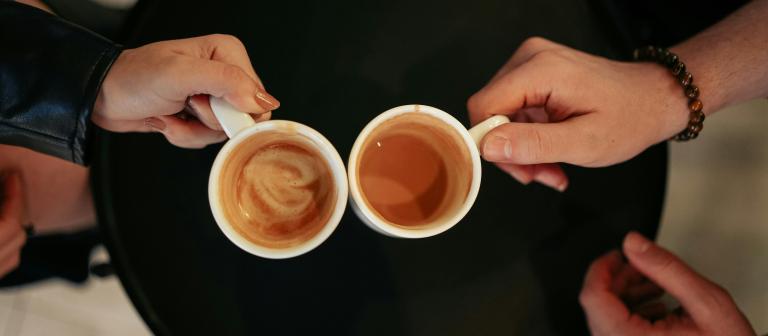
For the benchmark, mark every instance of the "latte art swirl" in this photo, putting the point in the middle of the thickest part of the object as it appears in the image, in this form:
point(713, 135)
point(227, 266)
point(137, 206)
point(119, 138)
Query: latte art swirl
point(283, 192)
point(280, 187)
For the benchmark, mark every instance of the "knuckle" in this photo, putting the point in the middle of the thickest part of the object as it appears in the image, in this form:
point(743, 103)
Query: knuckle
point(534, 42)
point(556, 61)
point(668, 266)
point(545, 56)
point(170, 65)
point(584, 297)
point(225, 39)
point(473, 103)
point(233, 71)
point(720, 296)
point(537, 148)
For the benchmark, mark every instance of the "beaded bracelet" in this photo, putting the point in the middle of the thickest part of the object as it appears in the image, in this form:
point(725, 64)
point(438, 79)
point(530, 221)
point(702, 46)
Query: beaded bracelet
point(668, 59)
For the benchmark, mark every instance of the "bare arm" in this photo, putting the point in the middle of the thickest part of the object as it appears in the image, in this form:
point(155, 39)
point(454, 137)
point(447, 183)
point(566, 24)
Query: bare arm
point(599, 112)
point(730, 59)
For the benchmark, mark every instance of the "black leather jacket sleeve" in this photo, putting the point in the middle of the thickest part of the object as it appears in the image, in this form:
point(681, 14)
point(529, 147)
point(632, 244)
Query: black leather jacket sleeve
point(50, 75)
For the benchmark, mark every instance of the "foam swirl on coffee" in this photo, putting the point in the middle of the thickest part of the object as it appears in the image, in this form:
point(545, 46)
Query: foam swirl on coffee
point(283, 194)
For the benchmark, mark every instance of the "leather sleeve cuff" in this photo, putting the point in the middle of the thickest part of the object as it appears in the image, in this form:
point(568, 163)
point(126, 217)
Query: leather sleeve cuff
point(50, 75)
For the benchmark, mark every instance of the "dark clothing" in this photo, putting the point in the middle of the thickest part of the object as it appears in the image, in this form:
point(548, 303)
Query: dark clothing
point(50, 74)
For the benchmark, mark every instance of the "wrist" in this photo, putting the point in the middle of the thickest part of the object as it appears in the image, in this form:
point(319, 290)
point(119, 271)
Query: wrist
point(99, 104)
point(664, 99)
point(681, 72)
point(707, 78)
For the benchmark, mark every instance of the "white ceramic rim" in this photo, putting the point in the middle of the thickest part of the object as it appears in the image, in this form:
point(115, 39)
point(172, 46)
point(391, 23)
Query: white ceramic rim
point(339, 175)
point(380, 223)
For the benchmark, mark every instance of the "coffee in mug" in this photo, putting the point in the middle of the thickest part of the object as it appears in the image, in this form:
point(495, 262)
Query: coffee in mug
point(278, 188)
point(415, 171)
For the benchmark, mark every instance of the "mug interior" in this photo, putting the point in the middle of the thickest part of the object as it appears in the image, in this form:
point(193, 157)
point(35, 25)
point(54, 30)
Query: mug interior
point(329, 155)
point(449, 216)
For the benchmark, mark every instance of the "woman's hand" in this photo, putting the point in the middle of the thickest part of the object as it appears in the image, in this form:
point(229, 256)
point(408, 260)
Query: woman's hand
point(147, 86)
point(619, 298)
point(12, 220)
point(569, 106)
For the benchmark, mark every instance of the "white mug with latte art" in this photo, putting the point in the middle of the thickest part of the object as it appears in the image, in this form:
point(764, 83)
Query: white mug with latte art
point(277, 189)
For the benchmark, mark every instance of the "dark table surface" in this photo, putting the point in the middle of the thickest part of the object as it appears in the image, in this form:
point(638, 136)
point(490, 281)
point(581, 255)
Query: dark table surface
point(513, 266)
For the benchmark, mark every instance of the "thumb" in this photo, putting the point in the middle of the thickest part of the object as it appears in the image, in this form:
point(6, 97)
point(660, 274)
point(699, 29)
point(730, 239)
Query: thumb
point(534, 143)
point(701, 298)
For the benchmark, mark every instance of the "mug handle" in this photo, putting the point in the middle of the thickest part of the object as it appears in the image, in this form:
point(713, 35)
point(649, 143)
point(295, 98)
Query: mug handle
point(480, 130)
point(231, 120)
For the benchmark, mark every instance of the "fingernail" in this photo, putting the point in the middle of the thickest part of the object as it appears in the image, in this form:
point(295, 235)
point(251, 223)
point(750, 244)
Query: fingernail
point(552, 180)
point(635, 242)
point(155, 124)
point(266, 101)
point(562, 186)
point(497, 148)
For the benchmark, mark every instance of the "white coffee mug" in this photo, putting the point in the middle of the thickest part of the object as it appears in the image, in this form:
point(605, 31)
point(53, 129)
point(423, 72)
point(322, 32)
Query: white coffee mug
point(471, 139)
point(240, 126)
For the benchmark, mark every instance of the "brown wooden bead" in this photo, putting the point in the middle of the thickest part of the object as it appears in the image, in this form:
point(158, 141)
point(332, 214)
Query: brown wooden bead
point(650, 52)
point(678, 68)
point(692, 91)
point(695, 105)
point(696, 128)
point(671, 60)
point(697, 117)
point(685, 78)
point(661, 55)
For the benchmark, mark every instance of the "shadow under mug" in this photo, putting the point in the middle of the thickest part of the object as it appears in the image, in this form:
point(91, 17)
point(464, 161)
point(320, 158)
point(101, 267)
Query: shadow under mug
point(239, 127)
point(470, 138)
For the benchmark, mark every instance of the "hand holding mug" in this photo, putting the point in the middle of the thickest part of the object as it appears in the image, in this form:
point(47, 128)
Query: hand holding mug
point(147, 86)
point(619, 297)
point(278, 188)
point(414, 170)
point(572, 107)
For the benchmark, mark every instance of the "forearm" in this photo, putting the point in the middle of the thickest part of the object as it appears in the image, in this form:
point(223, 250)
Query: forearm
point(729, 61)
point(50, 75)
point(58, 196)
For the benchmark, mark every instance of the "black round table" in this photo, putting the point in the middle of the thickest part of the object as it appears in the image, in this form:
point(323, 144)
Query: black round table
point(513, 266)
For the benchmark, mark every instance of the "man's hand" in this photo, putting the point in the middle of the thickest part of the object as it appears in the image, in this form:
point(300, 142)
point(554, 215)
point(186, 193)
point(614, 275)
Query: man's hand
point(12, 220)
point(573, 107)
point(619, 298)
point(147, 86)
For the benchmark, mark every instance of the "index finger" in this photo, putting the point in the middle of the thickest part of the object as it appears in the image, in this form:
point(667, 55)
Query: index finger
point(700, 297)
point(229, 49)
point(604, 309)
point(520, 87)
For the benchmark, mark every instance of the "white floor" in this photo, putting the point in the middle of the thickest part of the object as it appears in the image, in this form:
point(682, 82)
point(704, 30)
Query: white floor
point(57, 308)
point(716, 218)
